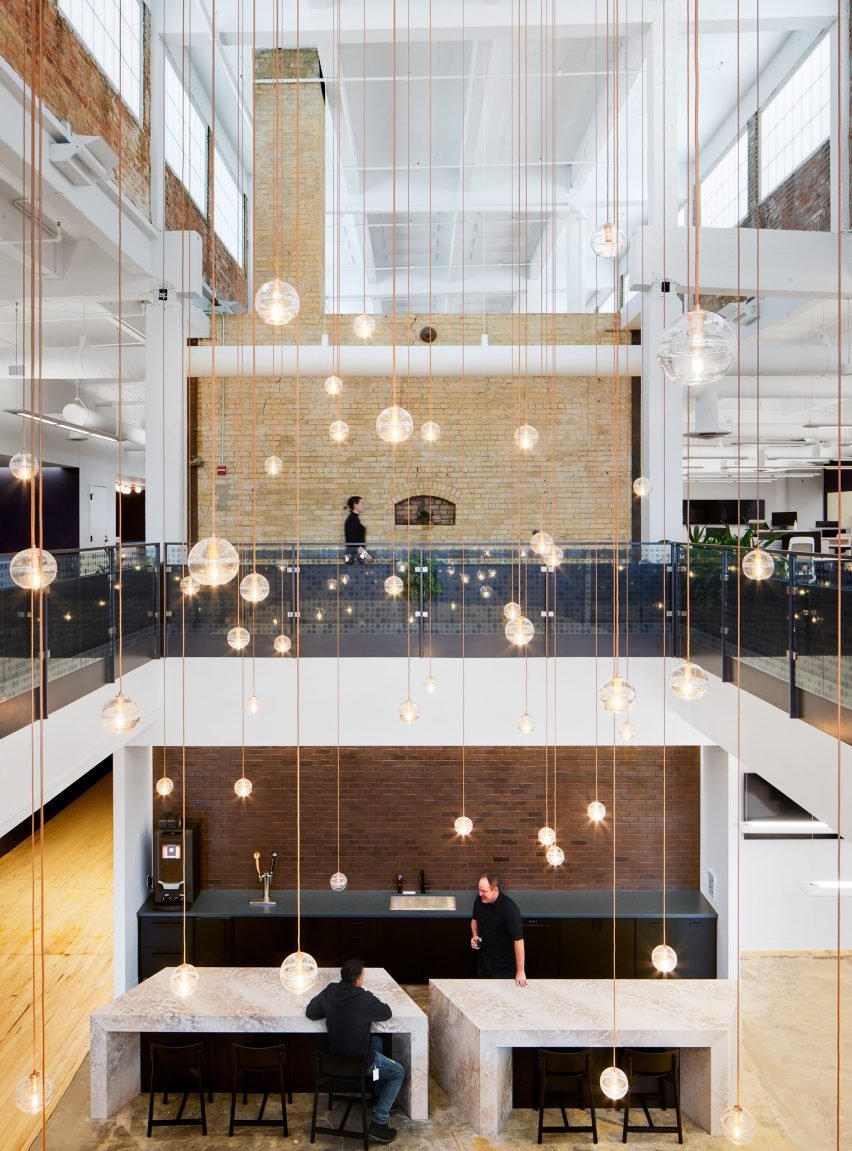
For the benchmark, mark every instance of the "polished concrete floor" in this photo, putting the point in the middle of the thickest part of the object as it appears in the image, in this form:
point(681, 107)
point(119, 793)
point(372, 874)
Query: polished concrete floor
point(788, 1081)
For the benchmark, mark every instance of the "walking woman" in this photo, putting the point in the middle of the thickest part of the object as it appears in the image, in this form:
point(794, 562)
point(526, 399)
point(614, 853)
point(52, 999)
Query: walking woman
point(355, 534)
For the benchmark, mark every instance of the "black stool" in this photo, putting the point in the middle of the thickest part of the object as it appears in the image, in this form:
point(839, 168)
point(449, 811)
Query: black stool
point(266, 1067)
point(172, 1067)
point(663, 1069)
point(345, 1079)
point(566, 1077)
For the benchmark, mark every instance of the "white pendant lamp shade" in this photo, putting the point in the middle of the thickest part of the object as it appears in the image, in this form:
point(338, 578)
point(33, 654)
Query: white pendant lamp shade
point(642, 487)
point(254, 705)
point(430, 432)
point(254, 588)
point(526, 724)
point(596, 811)
point(463, 825)
point(664, 958)
point(238, 638)
point(526, 437)
point(614, 1083)
point(758, 564)
point(554, 855)
point(698, 348)
point(338, 431)
point(363, 326)
point(738, 1125)
point(394, 585)
point(165, 786)
point(430, 685)
point(32, 569)
point(184, 980)
point(298, 972)
point(519, 630)
point(242, 787)
point(394, 425)
point(77, 413)
point(33, 1094)
point(409, 711)
point(120, 715)
point(23, 466)
point(546, 836)
point(276, 302)
point(333, 385)
point(689, 681)
point(282, 644)
point(338, 881)
point(607, 241)
point(213, 562)
point(273, 465)
point(617, 695)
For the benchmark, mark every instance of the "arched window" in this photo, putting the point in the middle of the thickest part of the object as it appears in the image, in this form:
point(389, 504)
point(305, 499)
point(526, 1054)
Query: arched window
point(424, 511)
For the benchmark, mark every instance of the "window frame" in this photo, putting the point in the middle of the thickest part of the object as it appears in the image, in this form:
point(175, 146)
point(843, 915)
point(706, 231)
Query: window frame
point(741, 174)
point(219, 164)
point(187, 135)
point(764, 192)
point(65, 8)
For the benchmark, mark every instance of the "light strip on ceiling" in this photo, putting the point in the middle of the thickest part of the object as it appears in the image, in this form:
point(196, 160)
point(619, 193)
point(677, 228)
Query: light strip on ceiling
point(39, 419)
point(797, 825)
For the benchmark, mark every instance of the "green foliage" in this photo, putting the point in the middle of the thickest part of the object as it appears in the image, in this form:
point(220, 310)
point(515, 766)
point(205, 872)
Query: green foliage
point(723, 537)
point(432, 586)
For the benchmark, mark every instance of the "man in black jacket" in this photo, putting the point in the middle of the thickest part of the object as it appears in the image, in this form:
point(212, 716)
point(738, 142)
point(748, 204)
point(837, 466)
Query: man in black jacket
point(349, 1010)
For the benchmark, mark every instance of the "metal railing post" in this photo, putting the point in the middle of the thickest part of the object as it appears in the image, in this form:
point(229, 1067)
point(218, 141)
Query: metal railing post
point(112, 616)
point(793, 706)
point(724, 577)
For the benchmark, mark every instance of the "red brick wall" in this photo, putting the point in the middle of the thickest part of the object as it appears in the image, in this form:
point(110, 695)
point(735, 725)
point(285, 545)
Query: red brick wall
point(182, 214)
point(76, 90)
point(802, 202)
point(398, 807)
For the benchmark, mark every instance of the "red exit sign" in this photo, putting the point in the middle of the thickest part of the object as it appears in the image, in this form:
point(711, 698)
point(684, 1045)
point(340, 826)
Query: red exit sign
point(221, 469)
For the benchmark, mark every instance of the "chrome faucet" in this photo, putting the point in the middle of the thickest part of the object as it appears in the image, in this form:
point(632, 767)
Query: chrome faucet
point(265, 878)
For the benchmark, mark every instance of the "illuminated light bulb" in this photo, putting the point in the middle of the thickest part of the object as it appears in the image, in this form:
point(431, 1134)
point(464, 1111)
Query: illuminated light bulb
point(698, 348)
point(165, 786)
point(23, 466)
point(254, 587)
point(430, 431)
point(465, 578)
point(614, 1083)
point(254, 704)
point(332, 585)
point(409, 711)
point(596, 811)
point(394, 425)
point(32, 569)
point(451, 571)
point(243, 787)
point(512, 610)
point(519, 631)
point(607, 241)
point(213, 562)
point(738, 1125)
point(338, 431)
point(344, 579)
point(554, 557)
point(689, 681)
point(485, 591)
point(120, 714)
point(430, 685)
point(541, 543)
point(273, 465)
point(394, 585)
point(190, 586)
point(363, 326)
point(276, 302)
point(627, 733)
point(480, 575)
point(238, 638)
point(642, 487)
point(526, 723)
point(554, 855)
point(282, 644)
point(184, 980)
point(664, 958)
point(617, 695)
point(463, 825)
point(32, 1095)
point(338, 881)
point(546, 836)
point(758, 564)
point(298, 972)
point(333, 385)
point(526, 437)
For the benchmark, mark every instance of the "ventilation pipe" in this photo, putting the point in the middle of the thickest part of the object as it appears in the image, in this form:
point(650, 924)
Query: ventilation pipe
point(80, 363)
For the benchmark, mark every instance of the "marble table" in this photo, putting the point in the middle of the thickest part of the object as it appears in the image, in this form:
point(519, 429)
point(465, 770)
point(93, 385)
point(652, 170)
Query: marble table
point(241, 1000)
point(474, 1024)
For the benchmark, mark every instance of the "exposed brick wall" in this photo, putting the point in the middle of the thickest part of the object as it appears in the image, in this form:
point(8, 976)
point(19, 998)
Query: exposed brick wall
point(183, 214)
point(800, 203)
point(76, 90)
point(399, 805)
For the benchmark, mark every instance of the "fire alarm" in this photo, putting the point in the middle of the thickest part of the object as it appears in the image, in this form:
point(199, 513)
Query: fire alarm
point(221, 469)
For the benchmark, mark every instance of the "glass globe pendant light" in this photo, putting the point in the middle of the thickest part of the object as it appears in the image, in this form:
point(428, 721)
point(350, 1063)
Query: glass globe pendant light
point(363, 326)
point(190, 586)
point(512, 610)
point(184, 980)
point(596, 811)
point(698, 348)
point(554, 855)
point(526, 724)
point(282, 644)
point(32, 1094)
point(627, 733)
point(298, 972)
point(642, 487)
point(664, 958)
point(689, 681)
point(338, 881)
point(276, 302)
point(430, 431)
point(463, 825)
point(607, 241)
point(165, 786)
point(617, 695)
point(338, 431)
point(32, 568)
point(430, 685)
point(758, 564)
point(409, 711)
point(254, 588)
point(614, 1083)
point(519, 630)
point(120, 714)
point(333, 385)
point(526, 437)
point(546, 836)
point(254, 705)
point(394, 425)
point(738, 1125)
point(394, 585)
point(238, 638)
point(541, 543)
point(554, 557)
point(213, 562)
point(242, 787)
point(273, 465)
point(23, 466)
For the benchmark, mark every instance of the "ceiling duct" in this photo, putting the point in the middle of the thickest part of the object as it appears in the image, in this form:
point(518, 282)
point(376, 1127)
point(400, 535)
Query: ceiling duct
point(705, 419)
point(83, 160)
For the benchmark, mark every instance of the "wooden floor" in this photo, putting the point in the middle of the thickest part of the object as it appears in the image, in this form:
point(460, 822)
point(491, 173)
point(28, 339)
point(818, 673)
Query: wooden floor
point(78, 951)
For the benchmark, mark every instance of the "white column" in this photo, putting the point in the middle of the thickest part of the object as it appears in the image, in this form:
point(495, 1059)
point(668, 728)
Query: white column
point(132, 826)
point(719, 831)
point(166, 331)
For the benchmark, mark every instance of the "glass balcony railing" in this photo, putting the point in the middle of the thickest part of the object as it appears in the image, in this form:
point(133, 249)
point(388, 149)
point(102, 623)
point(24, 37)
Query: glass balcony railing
point(778, 638)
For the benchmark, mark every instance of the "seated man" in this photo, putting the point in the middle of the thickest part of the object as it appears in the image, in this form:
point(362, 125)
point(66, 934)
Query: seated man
point(348, 1010)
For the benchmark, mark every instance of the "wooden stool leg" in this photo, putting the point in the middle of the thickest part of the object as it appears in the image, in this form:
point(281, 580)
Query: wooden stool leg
point(626, 1117)
point(364, 1124)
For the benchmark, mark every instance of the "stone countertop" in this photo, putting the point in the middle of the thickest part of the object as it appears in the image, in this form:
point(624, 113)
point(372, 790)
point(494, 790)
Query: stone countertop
point(215, 904)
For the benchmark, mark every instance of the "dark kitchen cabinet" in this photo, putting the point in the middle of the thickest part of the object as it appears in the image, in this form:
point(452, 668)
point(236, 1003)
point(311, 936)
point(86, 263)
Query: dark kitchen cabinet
point(213, 942)
point(542, 947)
point(586, 948)
point(400, 948)
point(263, 942)
point(446, 950)
point(694, 940)
point(358, 938)
point(161, 944)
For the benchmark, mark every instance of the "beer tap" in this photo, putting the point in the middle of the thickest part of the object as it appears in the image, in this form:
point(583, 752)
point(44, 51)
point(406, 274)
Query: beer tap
point(265, 878)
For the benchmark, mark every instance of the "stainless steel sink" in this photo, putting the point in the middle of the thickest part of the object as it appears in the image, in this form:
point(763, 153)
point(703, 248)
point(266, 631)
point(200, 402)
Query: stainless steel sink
point(422, 903)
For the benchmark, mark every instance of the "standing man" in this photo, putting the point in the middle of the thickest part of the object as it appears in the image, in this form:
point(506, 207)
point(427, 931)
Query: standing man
point(349, 1010)
point(497, 934)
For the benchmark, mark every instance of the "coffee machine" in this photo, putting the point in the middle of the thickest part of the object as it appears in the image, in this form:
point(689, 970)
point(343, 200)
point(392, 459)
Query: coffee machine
point(177, 877)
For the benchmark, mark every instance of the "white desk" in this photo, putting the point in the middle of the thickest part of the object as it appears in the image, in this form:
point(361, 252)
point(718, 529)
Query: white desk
point(474, 1024)
point(242, 1000)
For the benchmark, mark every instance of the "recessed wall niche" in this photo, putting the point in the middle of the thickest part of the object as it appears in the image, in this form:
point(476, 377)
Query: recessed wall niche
point(424, 511)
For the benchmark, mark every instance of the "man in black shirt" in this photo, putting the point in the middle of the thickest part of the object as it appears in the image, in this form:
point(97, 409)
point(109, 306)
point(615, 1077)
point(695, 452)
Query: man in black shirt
point(497, 934)
point(349, 1010)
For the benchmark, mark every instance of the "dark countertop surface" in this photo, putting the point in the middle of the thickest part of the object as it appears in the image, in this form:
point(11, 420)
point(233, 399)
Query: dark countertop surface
point(214, 904)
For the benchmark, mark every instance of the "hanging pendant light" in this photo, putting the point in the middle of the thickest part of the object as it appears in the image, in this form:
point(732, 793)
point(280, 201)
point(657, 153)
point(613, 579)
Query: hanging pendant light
point(242, 787)
point(554, 855)
point(213, 562)
point(430, 431)
point(541, 543)
point(32, 568)
point(338, 431)
point(758, 564)
point(614, 1083)
point(596, 811)
point(23, 466)
point(238, 638)
point(276, 302)
point(698, 348)
point(165, 786)
point(333, 385)
point(519, 631)
point(363, 326)
point(184, 980)
point(642, 487)
point(617, 695)
point(409, 711)
point(430, 685)
point(512, 610)
point(607, 241)
point(664, 958)
point(254, 588)
point(463, 825)
point(338, 881)
point(554, 557)
point(190, 586)
point(120, 714)
point(298, 972)
point(526, 724)
point(627, 733)
point(273, 465)
point(546, 836)
point(738, 1125)
point(254, 705)
point(394, 425)
point(486, 591)
point(32, 1094)
point(689, 681)
point(282, 644)
point(394, 585)
point(526, 437)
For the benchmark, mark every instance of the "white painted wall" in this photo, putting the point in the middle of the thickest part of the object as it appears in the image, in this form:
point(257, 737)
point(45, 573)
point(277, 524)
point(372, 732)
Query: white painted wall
point(132, 782)
point(718, 848)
